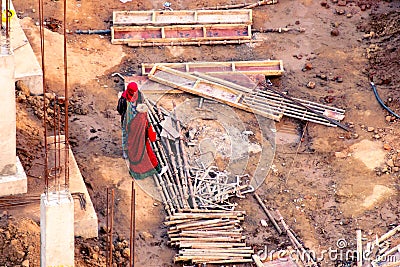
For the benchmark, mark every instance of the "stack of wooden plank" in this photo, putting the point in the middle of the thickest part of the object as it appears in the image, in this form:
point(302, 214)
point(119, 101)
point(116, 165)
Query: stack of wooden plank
point(383, 251)
point(265, 103)
point(208, 236)
point(183, 27)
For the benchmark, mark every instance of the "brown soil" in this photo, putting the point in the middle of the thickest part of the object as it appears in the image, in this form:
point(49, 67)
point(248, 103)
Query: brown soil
point(327, 186)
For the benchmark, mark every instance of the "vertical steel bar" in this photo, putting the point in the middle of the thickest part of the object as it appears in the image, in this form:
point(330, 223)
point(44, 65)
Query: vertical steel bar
point(46, 173)
point(7, 19)
point(132, 227)
point(66, 103)
point(54, 143)
point(111, 226)
point(57, 112)
point(107, 219)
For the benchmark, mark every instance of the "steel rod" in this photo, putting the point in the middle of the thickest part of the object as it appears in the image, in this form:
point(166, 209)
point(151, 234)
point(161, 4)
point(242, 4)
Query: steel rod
point(66, 102)
point(344, 127)
point(107, 222)
point(132, 227)
point(41, 30)
point(111, 228)
point(7, 19)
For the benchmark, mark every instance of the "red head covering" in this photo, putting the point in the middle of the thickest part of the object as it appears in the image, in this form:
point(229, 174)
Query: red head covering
point(131, 92)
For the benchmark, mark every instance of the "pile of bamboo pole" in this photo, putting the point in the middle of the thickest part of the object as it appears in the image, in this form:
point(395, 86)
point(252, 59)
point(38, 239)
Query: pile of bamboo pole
point(380, 252)
point(203, 235)
point(208, 236)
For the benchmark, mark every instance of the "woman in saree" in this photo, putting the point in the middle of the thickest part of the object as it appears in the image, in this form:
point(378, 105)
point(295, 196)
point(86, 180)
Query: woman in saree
point(142, 160)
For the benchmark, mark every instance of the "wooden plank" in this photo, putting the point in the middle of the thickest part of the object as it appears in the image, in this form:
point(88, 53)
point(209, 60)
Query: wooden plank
point(266, 67)
point(207, 89)
point(165, 17)
point(149, 87)
point(181, 34)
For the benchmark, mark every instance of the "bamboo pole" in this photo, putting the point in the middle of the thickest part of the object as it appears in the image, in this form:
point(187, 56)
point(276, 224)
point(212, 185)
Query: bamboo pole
point(210, 239)
point(257, 260)
point(241, 212)
point(359, 248)
point(181, 173)
point(308, 262)
point(185, 161)
point(244, 5)
point(163, 198)
point(176, 173)
point(389, 234)
point(199, 245)
point(270, 217)
point(160, 153)
point(161, 157)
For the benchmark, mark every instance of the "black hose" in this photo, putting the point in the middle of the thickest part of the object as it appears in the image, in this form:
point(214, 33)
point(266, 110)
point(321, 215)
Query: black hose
point(381, 102)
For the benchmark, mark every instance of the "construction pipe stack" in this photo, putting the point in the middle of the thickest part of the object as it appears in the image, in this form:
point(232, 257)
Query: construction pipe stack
point(208, 236)
point(203, 233)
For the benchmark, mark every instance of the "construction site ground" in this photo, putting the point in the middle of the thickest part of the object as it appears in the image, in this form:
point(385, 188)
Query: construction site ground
point(327, 186)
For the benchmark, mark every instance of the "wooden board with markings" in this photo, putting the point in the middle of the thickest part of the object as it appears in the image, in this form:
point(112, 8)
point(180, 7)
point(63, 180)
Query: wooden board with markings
point(208, 89)
point(166, 17)
point(265, 67)
point(262, 102)
point(181, 34)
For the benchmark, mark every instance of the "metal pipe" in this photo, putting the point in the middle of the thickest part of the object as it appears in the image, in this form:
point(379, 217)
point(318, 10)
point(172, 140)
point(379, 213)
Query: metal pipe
point(307, 108)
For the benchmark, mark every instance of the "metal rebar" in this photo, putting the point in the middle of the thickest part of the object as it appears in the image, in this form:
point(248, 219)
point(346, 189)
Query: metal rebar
point(7, 18)
point(66, 103)
point(41, 29)
point(107, 220)
point(111, 228)
point(132, 227)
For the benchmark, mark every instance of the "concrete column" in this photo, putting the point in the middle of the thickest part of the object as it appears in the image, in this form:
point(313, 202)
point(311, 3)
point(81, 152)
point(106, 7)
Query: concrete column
point(12, 176)
point(8, 112)
point(57, 229)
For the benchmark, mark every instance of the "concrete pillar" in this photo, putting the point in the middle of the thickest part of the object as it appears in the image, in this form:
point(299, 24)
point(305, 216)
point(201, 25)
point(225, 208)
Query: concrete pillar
point(57, 229)
point(8, 111)
point(12, 176)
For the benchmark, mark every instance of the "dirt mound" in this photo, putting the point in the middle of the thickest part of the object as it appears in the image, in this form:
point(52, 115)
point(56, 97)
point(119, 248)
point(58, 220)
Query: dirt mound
point(383, 54)
point(19, 241)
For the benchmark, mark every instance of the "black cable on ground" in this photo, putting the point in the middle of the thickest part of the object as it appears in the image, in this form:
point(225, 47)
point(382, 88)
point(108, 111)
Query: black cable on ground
point(381, 102)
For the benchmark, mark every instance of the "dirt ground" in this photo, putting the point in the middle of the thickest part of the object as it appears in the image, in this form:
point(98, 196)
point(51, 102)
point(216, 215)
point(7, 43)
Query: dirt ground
point(326, 186)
